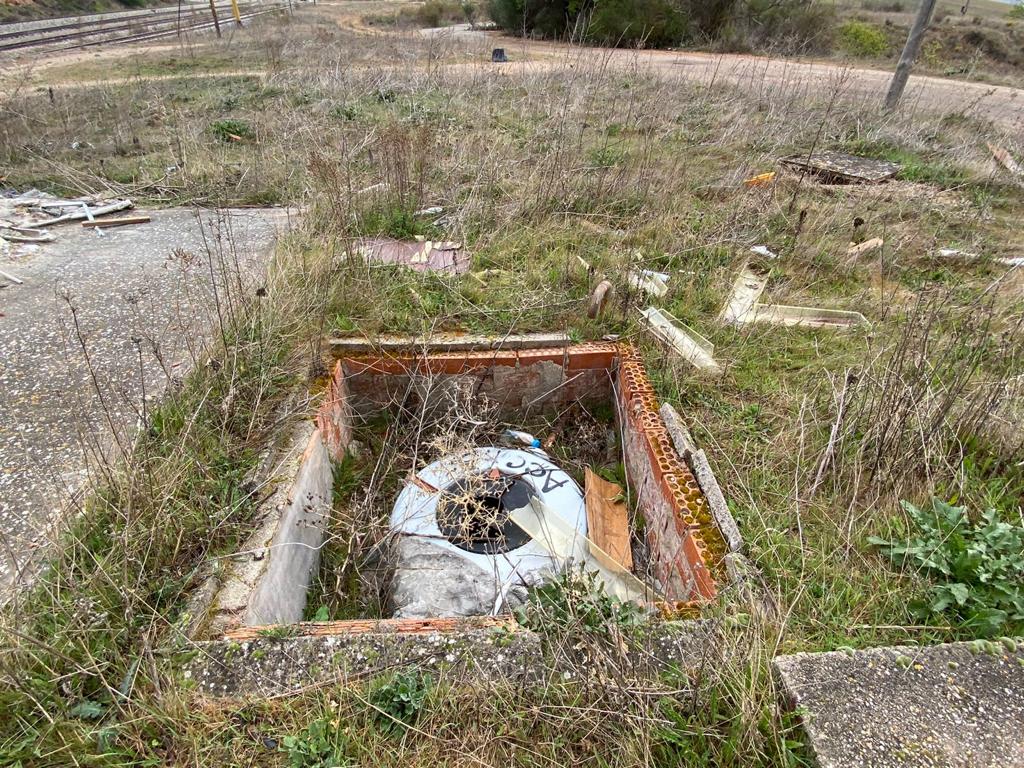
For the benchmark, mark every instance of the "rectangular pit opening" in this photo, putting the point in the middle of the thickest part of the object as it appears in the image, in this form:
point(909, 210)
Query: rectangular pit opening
point(385, 416)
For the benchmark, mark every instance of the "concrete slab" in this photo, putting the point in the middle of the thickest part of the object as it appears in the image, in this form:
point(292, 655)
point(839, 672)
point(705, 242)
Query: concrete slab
point(150, 283)
point(959, 704)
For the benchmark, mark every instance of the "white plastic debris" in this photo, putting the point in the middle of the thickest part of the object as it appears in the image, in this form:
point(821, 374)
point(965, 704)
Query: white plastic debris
point(687, 343)
point(762, 250)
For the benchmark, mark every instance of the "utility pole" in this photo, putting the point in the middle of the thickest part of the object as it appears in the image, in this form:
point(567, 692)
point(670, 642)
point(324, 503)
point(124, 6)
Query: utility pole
point(910, 51)
point(216, 21)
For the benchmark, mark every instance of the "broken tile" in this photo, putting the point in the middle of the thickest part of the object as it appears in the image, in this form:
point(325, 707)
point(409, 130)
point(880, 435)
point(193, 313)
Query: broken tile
point(839, 167)
point(422, 256)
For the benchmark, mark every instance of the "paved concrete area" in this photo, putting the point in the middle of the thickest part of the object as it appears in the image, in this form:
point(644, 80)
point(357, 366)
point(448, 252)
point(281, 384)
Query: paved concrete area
point(143, 300)
point(959, 704)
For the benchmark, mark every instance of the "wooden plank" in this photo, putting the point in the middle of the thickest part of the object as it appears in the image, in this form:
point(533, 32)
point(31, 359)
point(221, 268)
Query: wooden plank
point(118, 222)
point(608, 522)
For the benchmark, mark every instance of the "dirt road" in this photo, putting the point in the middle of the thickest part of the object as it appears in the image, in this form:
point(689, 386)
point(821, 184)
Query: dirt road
point(769, 77)
point(773, 77)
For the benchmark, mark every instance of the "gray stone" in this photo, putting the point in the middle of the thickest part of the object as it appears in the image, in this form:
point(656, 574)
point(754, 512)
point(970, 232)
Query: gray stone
point(959, 704)
point(716, 501)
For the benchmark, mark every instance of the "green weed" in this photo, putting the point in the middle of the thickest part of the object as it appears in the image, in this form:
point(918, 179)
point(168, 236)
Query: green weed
point(975, 567)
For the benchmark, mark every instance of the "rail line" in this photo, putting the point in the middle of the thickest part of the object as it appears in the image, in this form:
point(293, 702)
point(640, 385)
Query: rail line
point(146, 25)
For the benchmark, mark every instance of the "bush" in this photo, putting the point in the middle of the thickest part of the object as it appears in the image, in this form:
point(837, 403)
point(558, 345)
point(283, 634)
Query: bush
point(788, 24)
point(976, 566)
point(860, 39)
point(231, 129)
point(655, 23)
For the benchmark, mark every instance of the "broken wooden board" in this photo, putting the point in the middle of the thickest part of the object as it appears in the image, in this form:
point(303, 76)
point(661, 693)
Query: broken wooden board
point(608, 521)
point(839, 167)
point(422, 256)
point(687, 343)
point(746, 291)
point(859, 249)
point(1005, 159)
point(121, 221)
point(806, 317)
point(79, 211)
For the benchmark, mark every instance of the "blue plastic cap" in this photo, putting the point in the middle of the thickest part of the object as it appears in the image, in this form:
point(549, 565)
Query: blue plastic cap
point(535, 443)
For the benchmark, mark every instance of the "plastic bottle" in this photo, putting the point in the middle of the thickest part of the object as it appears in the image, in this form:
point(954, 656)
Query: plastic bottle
point(523, 437)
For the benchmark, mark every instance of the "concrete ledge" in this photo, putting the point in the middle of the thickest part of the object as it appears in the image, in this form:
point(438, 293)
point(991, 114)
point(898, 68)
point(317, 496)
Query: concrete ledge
point(959, 704)
point(341, 346)
point(279, 596)
point(269, 666)
point(483, 649)
point(266, 582)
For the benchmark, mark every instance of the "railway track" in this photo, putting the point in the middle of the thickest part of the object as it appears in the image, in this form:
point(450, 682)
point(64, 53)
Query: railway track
point(87, 31)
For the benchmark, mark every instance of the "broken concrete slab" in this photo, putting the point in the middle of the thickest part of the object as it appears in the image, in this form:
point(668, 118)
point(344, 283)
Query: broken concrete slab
point(686, 342)
point(958, 704)
point(650, 282)
point(806, 317)
point(839, 167)
point(420, 255)
point(746, 291)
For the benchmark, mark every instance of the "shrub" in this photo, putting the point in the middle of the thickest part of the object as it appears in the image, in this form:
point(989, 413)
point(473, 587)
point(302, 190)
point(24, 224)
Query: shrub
point(976, 567)
point(1017, 12)
point(668, 22)
point(231, 129)
point(860, 39)
point(802, 26)
point(656, 23)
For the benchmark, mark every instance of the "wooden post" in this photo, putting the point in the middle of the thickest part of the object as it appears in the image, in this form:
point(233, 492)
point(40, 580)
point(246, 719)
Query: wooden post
point(216, 21)
point(910, 51)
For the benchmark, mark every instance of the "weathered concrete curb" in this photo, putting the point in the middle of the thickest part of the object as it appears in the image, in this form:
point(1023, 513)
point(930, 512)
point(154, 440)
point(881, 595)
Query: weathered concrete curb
point(466, 649)
point(698, 461)
point(270, 666)
point(958, 704)
point(279, 596)
point(267, 581)
point(716, 501)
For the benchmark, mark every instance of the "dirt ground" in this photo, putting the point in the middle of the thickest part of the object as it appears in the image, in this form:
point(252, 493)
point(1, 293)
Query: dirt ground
point(1003, 105)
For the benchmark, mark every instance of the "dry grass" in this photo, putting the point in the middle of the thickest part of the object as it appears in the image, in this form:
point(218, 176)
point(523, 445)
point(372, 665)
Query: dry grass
point(581, 156)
